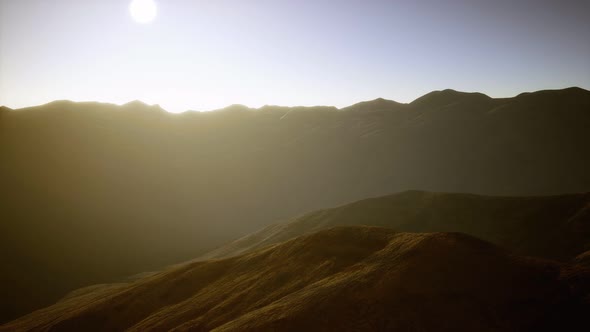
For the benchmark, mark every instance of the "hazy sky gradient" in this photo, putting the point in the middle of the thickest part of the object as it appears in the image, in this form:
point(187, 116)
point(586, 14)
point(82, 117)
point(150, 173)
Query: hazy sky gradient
point(208, 54)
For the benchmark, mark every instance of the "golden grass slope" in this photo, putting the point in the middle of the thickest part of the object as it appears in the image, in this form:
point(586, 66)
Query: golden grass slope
point(340, 279)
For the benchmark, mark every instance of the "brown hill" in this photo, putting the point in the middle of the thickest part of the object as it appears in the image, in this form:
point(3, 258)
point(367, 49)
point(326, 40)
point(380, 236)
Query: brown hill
point(341, 279)
point(555, 227)
point(92, 191)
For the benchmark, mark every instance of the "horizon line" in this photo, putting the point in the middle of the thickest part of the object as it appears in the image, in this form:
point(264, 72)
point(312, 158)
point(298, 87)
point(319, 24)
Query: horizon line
point(138, 101)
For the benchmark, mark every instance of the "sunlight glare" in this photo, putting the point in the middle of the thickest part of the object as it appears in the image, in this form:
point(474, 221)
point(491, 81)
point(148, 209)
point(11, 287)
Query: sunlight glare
point(143, 11)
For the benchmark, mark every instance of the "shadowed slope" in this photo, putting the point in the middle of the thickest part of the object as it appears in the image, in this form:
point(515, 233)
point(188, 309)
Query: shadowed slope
point(342, 279)
point(555, 227)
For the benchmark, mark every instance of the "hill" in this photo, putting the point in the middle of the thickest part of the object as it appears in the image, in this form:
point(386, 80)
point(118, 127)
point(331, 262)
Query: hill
point(340, 279)
point(552, 227)
point(114, 190)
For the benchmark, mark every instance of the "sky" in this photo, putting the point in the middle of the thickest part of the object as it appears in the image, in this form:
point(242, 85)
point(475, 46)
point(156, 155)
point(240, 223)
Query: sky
point(203, 55)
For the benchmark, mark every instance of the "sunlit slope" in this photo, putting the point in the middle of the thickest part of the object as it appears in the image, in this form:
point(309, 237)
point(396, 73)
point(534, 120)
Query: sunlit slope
point(556, 227)
point(341, 279)
point(114, 190)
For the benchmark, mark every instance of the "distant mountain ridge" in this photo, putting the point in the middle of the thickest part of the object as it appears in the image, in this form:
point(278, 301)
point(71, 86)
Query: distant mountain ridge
point(437, 98)
point(137, 188)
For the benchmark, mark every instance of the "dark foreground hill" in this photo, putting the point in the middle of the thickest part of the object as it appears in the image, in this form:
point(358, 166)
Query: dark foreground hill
point(341, 279)
point(90, 192)
point(553, 227)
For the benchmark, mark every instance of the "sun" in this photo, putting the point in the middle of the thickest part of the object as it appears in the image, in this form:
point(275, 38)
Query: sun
point(143, 11)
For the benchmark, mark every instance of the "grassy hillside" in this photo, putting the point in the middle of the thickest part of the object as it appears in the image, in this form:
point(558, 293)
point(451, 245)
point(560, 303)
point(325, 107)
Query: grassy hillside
point(341, 279)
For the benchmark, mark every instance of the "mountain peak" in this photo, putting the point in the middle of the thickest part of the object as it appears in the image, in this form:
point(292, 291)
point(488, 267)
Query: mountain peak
point(61, 103)
point(448, 96)
point(567, 92)
point(140, 105)
point(237, 108)
point(379, 104)
point(135, 102)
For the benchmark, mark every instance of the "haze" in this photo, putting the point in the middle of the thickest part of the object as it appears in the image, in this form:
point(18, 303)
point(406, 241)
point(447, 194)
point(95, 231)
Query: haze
point(366, 165)
point(204, 55)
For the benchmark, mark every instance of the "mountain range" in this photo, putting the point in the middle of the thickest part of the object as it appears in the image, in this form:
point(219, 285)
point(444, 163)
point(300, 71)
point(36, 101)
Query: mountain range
point(93, 192)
